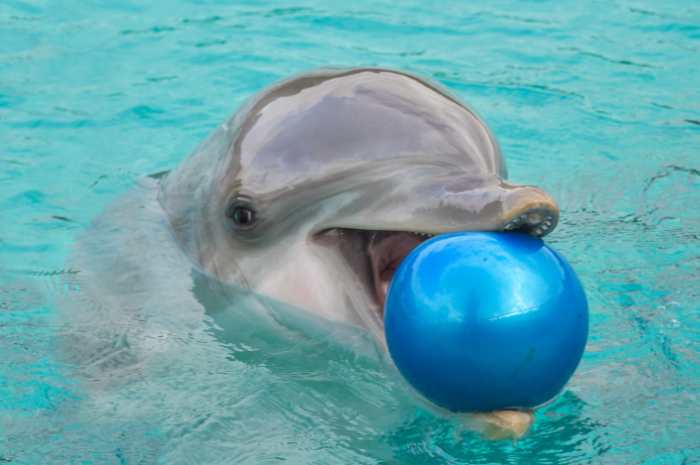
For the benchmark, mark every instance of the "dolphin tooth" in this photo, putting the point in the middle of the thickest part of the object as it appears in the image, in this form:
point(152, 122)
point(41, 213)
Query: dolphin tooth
point(534, 218)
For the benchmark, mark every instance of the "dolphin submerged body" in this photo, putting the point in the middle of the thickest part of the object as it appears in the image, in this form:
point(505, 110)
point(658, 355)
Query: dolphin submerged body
point(311, 195)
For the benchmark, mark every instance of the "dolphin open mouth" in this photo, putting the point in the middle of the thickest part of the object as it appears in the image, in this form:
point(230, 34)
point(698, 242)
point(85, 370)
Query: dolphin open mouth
point(373, 255)
point(386, 250)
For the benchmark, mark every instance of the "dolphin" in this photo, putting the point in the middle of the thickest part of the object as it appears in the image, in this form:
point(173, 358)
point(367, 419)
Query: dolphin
point(313, 192)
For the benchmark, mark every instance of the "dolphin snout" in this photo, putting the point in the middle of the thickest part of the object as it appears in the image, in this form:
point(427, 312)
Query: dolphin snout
point(529, 209)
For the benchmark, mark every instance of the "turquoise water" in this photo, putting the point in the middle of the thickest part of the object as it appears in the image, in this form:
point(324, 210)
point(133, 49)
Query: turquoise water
point(597, 103)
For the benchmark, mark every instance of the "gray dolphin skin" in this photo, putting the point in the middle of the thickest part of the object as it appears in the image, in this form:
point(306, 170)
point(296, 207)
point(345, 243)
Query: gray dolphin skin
point(314, 191)
point(309, 196)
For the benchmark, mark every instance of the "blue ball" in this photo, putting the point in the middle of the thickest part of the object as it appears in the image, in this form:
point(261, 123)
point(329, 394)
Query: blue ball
point(485, 321)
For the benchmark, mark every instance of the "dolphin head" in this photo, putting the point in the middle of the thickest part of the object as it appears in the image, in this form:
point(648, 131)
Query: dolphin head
point(317, 188)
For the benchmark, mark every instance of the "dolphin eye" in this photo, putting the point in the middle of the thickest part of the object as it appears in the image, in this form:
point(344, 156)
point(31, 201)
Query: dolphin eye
point(243, 216)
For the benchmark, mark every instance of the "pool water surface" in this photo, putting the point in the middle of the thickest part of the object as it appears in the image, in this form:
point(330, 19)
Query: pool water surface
point(597, 103)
